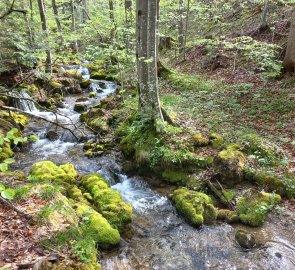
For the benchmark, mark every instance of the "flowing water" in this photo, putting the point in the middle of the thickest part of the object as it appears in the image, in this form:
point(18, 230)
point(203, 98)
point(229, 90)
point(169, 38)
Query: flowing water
point(159, 238)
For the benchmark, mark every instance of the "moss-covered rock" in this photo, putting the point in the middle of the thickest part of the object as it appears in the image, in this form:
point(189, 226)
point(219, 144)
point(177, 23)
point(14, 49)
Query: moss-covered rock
point(229, 165)
point(175, 176)
point(76, 194)
point(228, 215)
point(47, 171)
point(92, 94)
point(196, 207)
point(199, 140)
point(5, 151)
point(99, 75)
point(85, 83)
point(72, 73)
point(107, 201)
point(216, 140)
point(245, 239)
point(253, 207)
point(55, 84)
point(103, 233)
point(80, 107)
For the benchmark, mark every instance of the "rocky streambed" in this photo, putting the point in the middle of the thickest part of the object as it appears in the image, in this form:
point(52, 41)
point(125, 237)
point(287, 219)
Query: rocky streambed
point(158, 238)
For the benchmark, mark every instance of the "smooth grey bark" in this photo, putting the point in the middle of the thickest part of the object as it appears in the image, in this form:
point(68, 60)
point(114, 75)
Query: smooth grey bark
point(264, 24)
point(45, 30)
point(289, 60)
point(146, 53)
point(128, 22)
point(186, 26)
point(85, 10)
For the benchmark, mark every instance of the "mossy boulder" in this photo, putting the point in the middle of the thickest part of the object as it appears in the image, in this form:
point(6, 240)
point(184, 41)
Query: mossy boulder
point(216, 140)
point(253, 207)
point(80, 107)
point(103, 233)
point(85, 83)
point(72, 73)
point(99, 75)
point(44, 171)
point(107, 201)
point(97, 65)
point(229, 165)
point(92, 94)
point(245, 239)
point(55, 84)
point(199, 140)
point(175, 176)
point(228, 215)
point(196, 207)
point(5, 151)
point(76, 194)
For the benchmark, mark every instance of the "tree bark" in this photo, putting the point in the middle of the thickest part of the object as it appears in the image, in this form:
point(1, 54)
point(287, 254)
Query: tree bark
point(75, 47)
point(147, 47)
point(45, 30)
point(112, 18)
point(180, 28)
point(289, 60)
point(128, 23)
point(57, 21)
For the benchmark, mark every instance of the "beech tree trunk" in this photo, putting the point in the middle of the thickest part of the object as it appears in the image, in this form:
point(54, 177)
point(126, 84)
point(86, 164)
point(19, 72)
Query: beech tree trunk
point(146, 53)
point(45, 30)
point(180, 28)
point(289, 60)
point(75, 45)
point(128, 22)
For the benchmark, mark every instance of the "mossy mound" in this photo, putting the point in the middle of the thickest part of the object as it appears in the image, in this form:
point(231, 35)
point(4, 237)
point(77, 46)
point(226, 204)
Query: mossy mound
point(99, 75)
point(103, 233)
point(253, 207)
point(196, 207)
point(245, 239)
point(85, 83)
point(92, 94)
point(72, 73)
point(229, 165)
point(47, 171)
point(228, 216)
point(175, 176)
point(216, 140)
point(107, 201)
point(199, 140)
point(80, 107)
point(5, 151)
point(97, 119)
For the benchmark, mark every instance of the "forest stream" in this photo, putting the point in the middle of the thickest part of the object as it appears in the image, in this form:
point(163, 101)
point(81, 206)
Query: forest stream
point(160, 238)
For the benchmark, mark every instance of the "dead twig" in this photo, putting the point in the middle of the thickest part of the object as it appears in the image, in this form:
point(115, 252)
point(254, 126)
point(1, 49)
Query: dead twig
point(19, 212)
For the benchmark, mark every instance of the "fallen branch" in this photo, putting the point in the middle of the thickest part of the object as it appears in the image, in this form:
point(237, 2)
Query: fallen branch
point(19, 212)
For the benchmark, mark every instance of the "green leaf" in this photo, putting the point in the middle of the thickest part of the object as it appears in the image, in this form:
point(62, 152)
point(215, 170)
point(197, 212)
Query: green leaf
point(3, 167)
point(8, 194)
point(9, 161)
point(2, 187)
point(34, 138)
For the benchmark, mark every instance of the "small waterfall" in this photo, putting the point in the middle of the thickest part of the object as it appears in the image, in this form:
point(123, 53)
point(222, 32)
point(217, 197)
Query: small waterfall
point(84, 71)
point(23, 101)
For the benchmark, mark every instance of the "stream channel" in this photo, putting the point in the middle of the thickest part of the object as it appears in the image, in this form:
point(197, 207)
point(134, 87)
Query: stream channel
point(160, 237)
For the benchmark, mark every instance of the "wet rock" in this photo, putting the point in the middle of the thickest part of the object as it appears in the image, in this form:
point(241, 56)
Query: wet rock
point(92, 94)
point(245, 239)
point(82, 99)
point(52, 135)
point(80, 107)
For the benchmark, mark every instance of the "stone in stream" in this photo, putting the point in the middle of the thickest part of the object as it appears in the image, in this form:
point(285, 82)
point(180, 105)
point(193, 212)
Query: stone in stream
point(80, 107)
point(245, 239)
point(52, 135)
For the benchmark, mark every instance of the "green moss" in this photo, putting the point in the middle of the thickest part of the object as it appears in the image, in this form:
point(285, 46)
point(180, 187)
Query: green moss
point(252, 208)
point(85, 83)
point(76, 194)
point(229, 164)
point(107, 201)
point(175, 176)
point(92, 94)
point(199, 140)
point(47, 171)
point(73, 74)
point(99, 75)
point(216, 140)
point(80, 107)
point(55, 84)
point(196, 207)
point(102, 232)
point(227, 215)
point(5, 151)
point(97, 65)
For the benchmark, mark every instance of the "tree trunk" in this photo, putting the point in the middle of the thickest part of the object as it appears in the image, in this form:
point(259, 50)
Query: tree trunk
point(57, 21)
point(128, 22)
point(289, 60)
point(149, 104)
point(180, 28)
point(186, 27)
point(45, 30)
point(112, 18)
point(74, 26)
point(85, 10)
point(264, 24)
